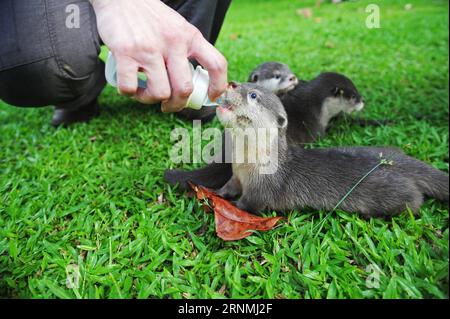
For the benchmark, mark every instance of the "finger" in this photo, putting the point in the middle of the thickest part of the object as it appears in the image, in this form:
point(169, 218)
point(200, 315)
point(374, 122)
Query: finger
point(214, 62)
point(127, 75)
point(158, 87)
point(180, 77)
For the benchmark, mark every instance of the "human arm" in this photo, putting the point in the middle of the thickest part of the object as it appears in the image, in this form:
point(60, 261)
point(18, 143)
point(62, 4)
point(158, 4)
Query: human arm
point(149, 36)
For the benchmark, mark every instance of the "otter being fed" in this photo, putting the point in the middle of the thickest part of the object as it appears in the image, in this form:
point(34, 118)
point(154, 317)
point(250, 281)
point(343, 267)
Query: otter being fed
point(309, 106)
point(320, 178)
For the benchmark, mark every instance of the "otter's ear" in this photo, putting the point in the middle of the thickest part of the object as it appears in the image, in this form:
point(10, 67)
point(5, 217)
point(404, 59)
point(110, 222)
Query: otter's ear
point(282, 122)
point(337, 91)
point(253, 78)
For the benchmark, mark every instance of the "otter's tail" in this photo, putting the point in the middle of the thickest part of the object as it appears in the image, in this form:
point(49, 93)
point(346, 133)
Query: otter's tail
point(213, 176)
point(432, 182)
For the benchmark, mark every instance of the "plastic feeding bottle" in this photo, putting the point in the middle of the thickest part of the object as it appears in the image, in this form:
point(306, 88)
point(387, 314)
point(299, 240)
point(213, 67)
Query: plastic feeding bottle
point(200, 81)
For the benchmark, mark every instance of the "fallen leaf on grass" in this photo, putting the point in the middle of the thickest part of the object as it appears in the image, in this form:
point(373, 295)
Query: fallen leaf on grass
point(305, 12)
point(161, 198)
point(232, 223)
point(329, 45)
point(222, 289)
point(234, 36)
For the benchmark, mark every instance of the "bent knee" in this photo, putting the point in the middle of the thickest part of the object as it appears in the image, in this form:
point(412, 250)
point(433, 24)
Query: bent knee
point(42, 83)
point(54, 63)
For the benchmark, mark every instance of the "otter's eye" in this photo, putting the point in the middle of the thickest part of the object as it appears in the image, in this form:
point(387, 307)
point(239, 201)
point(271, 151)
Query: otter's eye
point(253, 95)
point(277, 76)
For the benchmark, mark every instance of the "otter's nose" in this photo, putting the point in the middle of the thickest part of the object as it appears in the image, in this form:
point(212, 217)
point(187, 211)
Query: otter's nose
point(233, 85)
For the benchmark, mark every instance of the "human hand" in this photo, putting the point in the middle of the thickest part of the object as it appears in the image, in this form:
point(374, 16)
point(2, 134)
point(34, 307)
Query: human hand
point(148, 36)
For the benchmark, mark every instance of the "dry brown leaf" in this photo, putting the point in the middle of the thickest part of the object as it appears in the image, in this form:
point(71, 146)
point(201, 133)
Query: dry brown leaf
point(222, 289)
point(234, 36)
point(305, 12)
point(231, 222)
point(161, 198)
point(329, 45)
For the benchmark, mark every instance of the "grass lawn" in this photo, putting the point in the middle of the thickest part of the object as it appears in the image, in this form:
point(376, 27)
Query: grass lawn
point(90, 195)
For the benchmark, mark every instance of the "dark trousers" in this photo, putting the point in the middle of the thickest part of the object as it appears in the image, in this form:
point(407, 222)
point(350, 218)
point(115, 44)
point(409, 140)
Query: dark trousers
point(43, 62)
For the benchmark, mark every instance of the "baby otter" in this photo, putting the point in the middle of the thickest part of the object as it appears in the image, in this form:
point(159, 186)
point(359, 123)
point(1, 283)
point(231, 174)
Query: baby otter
point(320, 178)
point(309, 106)
point(274, 76)
point(278, 78)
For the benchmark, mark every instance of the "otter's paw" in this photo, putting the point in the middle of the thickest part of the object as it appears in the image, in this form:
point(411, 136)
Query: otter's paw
point(227, 193)
point(250, 207)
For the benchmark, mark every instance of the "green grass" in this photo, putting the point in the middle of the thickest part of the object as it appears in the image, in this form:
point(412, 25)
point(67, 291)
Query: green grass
point(88, 195)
